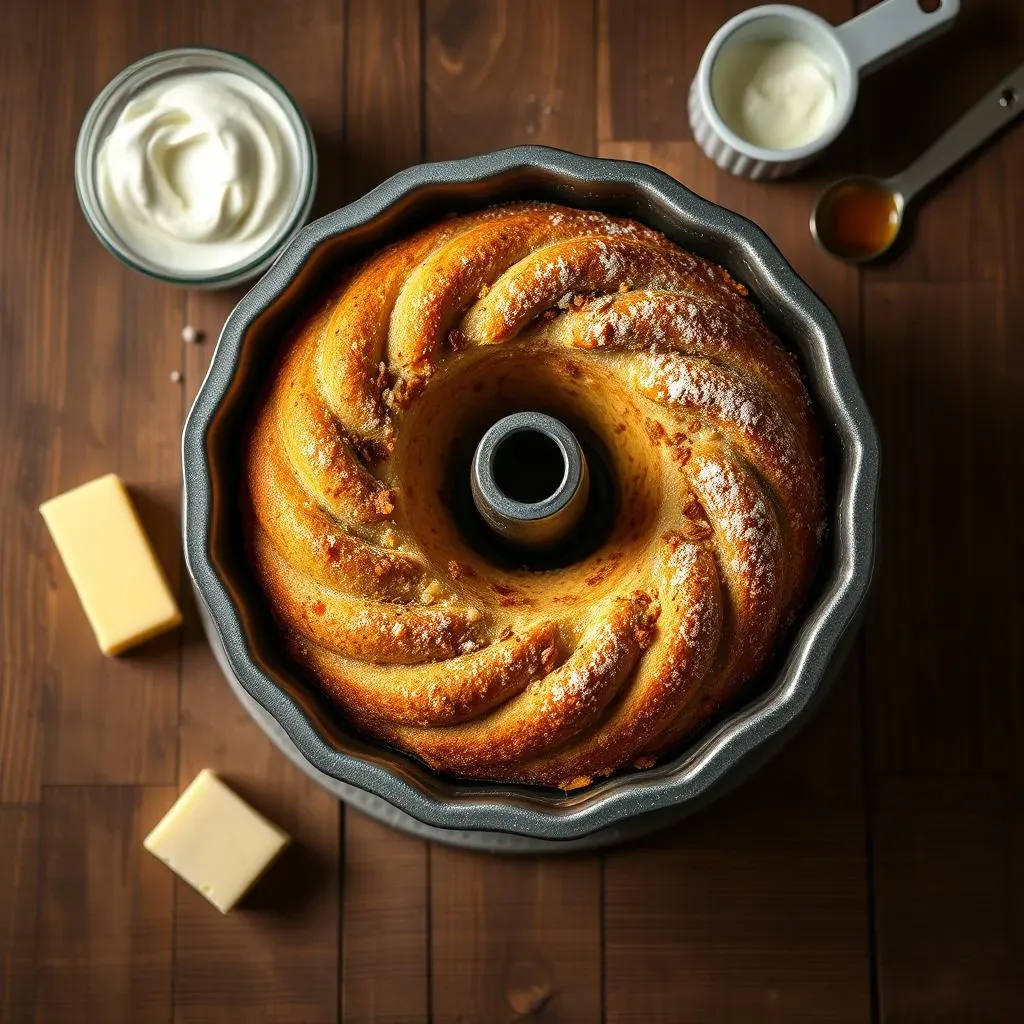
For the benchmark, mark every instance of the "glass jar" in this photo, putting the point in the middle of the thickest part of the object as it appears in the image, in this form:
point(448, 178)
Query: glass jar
point(103, 116)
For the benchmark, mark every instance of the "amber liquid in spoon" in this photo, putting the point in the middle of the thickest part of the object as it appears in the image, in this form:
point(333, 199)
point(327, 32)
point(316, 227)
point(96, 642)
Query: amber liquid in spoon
point(858, 219)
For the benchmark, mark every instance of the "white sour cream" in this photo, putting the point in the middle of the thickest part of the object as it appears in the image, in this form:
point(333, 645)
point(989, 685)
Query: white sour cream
point(200, 172)
point(778, 94)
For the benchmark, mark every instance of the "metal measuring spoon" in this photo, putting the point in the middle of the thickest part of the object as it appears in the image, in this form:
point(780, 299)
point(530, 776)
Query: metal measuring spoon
point(858, 218)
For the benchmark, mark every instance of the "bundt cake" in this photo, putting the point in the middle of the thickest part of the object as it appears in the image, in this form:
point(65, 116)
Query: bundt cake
point(482, 663)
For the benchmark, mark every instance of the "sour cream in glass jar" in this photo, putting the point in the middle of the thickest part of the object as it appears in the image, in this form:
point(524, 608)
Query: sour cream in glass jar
point(195, 166)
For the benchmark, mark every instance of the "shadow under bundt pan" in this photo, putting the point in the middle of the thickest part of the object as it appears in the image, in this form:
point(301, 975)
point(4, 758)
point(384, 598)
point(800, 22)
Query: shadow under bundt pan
point(239, 624)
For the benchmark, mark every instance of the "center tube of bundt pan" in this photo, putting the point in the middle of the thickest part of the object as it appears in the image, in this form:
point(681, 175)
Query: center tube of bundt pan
point(529, 479)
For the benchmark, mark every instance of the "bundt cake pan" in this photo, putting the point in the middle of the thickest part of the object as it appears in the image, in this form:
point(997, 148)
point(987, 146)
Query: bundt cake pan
point(239, 624)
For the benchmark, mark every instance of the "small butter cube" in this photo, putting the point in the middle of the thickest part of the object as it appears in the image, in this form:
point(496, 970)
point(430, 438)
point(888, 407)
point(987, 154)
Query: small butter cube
point(111, 564)
point(215, 841)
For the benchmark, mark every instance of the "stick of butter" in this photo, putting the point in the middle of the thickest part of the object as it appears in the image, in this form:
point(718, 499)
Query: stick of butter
point(111, 563)
point(215, 841)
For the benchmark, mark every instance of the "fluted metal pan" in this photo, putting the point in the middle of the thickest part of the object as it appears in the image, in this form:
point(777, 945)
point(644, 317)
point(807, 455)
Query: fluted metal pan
point(238, 622)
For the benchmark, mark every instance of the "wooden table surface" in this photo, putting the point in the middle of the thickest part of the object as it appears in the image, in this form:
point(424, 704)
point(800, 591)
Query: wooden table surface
point(874, 871)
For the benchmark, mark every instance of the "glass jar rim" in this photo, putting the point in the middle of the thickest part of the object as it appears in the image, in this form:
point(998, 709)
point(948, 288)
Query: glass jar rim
point(112, 99)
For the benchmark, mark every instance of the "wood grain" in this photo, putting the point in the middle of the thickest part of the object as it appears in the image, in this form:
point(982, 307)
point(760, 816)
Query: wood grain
point(949, 936)
point(276, 957)
point(386, 944)
point(89, 393)
point(647, 64)
point(944, 716)
point(106, 907)
point(110, 720)
point(508, 72)
point(383, 92)
point(19, 855)
point(755, 912)
point(1011, 280)
point(515, 938)
point(33, 331)
point(945, 720)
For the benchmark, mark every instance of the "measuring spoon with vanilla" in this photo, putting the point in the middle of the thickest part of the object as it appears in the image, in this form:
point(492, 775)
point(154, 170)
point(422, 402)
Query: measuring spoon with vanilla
point(857, 219)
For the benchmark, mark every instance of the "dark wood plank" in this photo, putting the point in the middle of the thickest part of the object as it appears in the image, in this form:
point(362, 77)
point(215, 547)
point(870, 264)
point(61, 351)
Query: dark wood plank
point(114, 720)
point(508, 72)
point(506, 935)
point(106, 907)
point(758, 909)
point(385, 940)
point(753, 911)
point(649, 69)
point(385, 944)
point(515, 938)
point(943, 660)
point(383, 92)
point(1012, 294)
point(19, 855)
point(276, 957)
point(943, 668)
point(87, 357)
point(33, 266)
point(114, 408)
point(948, 918)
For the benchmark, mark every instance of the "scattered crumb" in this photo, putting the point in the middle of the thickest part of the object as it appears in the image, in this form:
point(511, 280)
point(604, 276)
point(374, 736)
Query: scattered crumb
point(528, 989)
point(577, 783)
point(190, 335)
point(458, 570)
point(177, 376)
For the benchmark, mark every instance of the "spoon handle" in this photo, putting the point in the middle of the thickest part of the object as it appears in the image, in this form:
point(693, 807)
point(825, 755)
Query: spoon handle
point(987, 117)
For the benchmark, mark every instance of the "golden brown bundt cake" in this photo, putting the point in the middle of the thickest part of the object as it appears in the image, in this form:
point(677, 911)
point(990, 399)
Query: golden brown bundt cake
point(479, 665)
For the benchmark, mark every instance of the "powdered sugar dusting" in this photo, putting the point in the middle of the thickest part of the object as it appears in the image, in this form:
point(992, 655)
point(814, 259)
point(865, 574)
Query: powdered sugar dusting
point(690, 383)
point(580, 681)
point(734, 401)
point(697, 636)
point(740, 513)
point(683, 562)
point(668, 320)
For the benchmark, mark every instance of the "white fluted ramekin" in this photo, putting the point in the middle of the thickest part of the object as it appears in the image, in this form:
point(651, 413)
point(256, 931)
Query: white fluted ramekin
point(851, 51)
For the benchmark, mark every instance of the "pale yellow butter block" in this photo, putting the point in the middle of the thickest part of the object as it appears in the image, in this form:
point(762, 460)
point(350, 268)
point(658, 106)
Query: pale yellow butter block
point(215, 841)
point(111, 563)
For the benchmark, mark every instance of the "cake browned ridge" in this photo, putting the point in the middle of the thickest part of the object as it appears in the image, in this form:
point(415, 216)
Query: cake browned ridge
point(481, 668)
